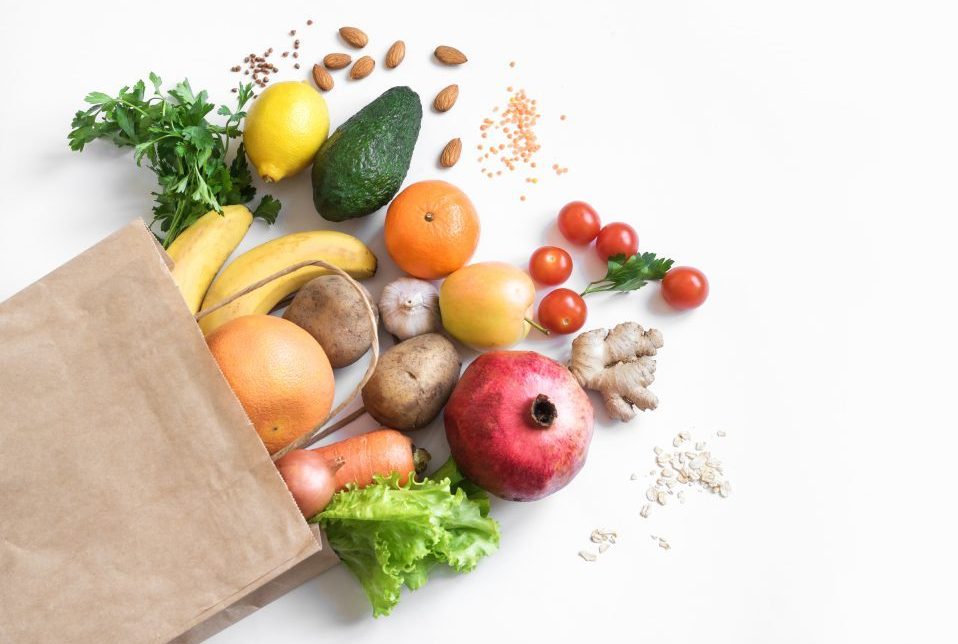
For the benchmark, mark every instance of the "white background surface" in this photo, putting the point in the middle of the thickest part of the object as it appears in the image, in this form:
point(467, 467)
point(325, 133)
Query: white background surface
point(802, 154)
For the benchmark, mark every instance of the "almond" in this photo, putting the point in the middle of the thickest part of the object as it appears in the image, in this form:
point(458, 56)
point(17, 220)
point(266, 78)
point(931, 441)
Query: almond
point(362, 68)
point(323, 80)
point(450, 153)
point(446, 98)
point(395, 54)
point(354, 37)
point(450, 55)
point(337, 61)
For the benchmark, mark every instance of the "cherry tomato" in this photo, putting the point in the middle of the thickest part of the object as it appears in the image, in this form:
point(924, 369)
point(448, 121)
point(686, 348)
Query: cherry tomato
point(550, 265)
point(578, 222)
point(562, 311)
point(617, 239)
point(685, 287)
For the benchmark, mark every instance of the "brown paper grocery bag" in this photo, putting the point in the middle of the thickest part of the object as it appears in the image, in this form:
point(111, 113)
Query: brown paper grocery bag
point(292, 578)
point(136, 500)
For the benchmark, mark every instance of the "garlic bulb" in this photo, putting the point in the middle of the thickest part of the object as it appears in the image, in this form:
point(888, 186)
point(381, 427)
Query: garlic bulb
point(410, 307)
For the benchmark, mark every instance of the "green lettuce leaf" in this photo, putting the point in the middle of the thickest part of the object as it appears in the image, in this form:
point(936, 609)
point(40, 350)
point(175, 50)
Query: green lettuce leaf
point(390, 535)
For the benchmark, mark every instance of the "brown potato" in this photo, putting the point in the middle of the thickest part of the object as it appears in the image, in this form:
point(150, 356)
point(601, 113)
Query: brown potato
point(412, 382)
point(333, 313)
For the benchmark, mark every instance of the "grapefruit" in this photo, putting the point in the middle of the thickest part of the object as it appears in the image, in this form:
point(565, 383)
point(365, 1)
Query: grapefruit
point(279, 373)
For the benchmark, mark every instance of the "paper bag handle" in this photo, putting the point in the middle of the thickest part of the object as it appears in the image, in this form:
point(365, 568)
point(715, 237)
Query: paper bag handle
point(318, 432)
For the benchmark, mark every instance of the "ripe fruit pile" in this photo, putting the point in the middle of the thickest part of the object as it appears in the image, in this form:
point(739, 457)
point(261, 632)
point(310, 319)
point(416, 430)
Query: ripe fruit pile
point(281, 372)
point(518, 423)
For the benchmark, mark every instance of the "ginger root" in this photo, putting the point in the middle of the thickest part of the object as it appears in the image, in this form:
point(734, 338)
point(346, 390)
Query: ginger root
point(619, 365)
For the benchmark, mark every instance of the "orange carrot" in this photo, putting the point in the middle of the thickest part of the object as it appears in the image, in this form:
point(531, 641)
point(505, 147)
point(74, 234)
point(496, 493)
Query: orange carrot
point(381, 452)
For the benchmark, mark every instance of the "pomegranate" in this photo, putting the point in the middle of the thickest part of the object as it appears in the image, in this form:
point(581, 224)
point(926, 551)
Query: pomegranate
point(518, 424)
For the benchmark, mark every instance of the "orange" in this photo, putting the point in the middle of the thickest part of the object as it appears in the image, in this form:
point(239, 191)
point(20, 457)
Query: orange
point(432, 229)
point(279, 373)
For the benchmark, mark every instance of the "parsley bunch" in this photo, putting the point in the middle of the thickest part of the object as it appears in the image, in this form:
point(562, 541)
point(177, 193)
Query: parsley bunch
point(629, 274)
point(187, 152)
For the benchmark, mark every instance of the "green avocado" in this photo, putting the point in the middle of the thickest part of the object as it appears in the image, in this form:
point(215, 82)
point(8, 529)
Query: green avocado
point(361, 166)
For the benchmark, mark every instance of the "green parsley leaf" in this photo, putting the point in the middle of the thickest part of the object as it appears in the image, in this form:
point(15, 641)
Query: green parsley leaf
point(187, 153)
point(629, 274)
point(157, 81)
point(97, 98)
point(199, 136)
point(268, 209)
point(125, 121)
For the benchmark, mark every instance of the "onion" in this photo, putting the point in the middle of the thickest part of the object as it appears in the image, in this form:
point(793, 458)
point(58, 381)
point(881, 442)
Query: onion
point(311, 479)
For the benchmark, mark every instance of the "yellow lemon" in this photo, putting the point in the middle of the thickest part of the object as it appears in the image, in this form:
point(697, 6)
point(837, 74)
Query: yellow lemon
point(284, 128)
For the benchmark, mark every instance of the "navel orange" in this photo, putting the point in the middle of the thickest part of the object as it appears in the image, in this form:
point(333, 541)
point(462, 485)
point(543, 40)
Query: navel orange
point(431, 229)
point(279, 373)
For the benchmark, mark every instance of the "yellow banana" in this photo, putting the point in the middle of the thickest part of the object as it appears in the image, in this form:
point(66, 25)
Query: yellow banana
point(201, 250)
point(339, 249)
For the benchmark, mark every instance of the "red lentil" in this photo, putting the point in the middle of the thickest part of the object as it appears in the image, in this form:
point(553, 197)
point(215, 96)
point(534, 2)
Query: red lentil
point(515, 128)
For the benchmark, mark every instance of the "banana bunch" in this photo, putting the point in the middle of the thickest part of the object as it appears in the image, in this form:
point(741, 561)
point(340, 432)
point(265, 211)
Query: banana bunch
point(202, 249)
point(339, 249)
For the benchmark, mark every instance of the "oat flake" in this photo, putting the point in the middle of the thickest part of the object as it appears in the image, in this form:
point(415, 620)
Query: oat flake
point(686, 468)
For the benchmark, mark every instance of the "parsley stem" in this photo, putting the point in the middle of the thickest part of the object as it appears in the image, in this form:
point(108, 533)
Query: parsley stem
point(132, 106)
point(597, 286)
